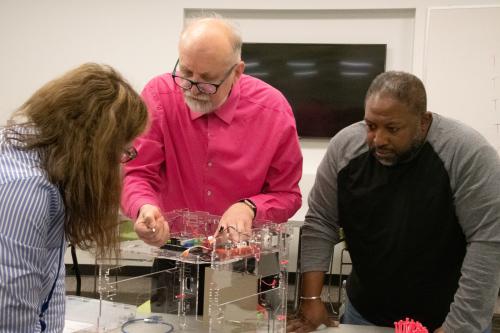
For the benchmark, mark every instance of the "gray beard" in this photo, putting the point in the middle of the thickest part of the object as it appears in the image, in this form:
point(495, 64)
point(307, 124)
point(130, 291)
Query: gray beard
point(202, 106)
point(198, 106)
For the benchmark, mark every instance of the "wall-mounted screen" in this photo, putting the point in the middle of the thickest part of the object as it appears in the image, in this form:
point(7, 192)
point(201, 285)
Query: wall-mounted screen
point(324, 83)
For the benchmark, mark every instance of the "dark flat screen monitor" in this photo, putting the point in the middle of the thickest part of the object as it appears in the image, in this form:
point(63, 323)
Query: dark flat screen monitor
point(324, 83)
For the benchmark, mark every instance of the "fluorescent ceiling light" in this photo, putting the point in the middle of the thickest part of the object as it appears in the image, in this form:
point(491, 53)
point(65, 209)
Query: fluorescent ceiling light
point(355, 64)
point(301, 64)
point(305, 73)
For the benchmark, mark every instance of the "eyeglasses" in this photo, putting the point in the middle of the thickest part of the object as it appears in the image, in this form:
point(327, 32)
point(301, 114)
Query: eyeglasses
point(203, 87)
point(128, 155)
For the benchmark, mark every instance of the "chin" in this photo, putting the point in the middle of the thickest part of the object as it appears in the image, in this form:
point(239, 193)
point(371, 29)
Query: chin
point(386, 161)
point(198, 106)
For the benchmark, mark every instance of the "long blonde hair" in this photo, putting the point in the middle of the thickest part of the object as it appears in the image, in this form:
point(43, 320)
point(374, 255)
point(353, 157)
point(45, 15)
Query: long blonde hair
point(80, 123)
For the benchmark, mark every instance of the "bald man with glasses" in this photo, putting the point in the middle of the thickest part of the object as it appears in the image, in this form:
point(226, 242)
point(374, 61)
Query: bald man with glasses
point(219, 141)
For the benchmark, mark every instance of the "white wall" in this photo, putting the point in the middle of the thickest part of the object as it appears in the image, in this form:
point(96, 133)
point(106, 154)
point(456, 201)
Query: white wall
point(42, 39)
point(462, 66)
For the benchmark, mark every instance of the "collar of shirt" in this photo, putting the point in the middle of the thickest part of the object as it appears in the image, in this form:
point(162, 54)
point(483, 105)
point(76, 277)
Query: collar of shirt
point(226, 111)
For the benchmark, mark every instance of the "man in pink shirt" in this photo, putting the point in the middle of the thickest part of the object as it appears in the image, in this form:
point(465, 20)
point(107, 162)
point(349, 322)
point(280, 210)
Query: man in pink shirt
point(219, 141)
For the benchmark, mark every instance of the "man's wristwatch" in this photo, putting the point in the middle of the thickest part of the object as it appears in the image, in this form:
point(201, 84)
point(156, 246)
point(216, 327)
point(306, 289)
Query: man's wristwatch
point(250, 204)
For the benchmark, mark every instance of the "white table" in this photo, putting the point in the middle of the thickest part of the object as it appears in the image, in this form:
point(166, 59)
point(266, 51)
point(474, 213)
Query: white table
point(357, 329)
point(82, 312)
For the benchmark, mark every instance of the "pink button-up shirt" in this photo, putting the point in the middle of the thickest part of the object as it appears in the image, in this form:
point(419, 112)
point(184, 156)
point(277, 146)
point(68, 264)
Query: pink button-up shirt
point(247, 148)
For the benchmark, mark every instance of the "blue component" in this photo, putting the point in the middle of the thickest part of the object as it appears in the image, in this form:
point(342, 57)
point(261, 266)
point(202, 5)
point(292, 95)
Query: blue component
point(187, 243)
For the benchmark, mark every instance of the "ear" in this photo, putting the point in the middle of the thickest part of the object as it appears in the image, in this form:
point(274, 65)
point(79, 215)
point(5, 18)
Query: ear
point(425, 121)
point(238, 70)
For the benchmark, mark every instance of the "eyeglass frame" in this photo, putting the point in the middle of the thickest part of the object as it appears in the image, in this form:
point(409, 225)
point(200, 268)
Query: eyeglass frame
point(128, 154)
point(196, 83)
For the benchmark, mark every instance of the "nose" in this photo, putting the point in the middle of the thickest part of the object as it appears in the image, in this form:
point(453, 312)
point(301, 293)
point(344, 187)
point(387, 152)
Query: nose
point(194, 90)
point(380, 138)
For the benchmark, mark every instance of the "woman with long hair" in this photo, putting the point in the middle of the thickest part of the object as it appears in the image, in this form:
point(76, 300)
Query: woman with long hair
point(60, 181)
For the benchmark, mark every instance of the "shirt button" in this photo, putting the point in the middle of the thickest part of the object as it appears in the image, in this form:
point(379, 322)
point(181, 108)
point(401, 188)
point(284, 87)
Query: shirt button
point(209, 164)
point(209, 193)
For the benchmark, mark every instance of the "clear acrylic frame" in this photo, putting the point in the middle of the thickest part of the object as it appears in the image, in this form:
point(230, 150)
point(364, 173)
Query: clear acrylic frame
point(198, 283)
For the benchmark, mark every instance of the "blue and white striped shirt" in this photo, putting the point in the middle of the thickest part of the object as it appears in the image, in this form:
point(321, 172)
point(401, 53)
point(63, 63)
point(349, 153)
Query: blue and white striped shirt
point(31, 232)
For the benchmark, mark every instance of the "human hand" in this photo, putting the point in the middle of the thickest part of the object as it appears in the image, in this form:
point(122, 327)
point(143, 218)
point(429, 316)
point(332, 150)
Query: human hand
point(236, 221)
point(312, 314)
point(439, 330)
point(151, 226)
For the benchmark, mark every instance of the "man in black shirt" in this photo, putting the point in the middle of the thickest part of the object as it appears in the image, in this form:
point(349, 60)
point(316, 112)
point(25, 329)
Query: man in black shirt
point(418, 196)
